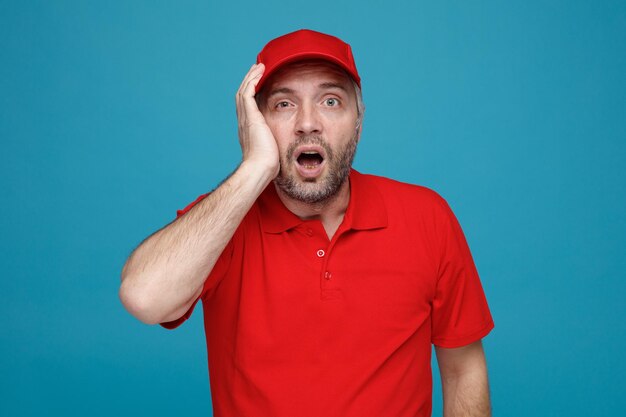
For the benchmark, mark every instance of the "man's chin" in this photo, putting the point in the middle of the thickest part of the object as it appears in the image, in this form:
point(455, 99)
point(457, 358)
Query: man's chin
point(307, 190)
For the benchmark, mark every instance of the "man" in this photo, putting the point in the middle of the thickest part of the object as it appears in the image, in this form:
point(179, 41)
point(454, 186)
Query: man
point(322, 288)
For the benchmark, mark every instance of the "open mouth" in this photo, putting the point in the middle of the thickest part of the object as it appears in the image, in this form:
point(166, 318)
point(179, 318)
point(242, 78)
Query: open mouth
point(310, 160)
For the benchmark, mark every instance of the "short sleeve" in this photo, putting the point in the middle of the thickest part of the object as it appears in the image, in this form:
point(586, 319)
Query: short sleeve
point(219, 270)
point(460, 314)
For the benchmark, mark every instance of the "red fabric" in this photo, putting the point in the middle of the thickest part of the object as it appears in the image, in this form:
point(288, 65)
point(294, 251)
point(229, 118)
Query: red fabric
point(297, 325)
point(304, 44)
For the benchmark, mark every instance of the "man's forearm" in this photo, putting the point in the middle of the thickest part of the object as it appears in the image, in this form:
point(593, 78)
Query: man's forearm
point(167, 271)
point(466, 395)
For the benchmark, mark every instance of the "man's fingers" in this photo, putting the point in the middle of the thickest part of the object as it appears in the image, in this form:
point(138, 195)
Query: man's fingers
point(251, 81)
point(247, 95)
point(246, 77)
point(252, 73)
point(241, 88)
point(252, 77)
point(243, 84)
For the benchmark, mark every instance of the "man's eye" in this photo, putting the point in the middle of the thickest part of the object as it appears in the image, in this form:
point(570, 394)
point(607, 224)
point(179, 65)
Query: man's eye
point(332, 102)
point(282, 104)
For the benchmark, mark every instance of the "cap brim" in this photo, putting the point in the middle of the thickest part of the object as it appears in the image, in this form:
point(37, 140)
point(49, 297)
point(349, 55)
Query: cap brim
point(301, 57)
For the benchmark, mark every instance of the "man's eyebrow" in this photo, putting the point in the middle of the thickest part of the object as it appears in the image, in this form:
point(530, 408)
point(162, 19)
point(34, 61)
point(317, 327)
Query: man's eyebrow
point(333, 85)
point(282, 90)
point(285, 90)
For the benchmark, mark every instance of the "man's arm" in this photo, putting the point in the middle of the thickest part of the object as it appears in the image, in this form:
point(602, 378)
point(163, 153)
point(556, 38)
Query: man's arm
point(464, 381)
point(166, 273)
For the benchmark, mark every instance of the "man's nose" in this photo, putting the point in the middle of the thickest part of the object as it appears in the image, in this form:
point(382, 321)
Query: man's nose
point(308, 121)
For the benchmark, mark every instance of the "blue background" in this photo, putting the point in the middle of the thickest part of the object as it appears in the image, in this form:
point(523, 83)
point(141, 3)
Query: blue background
point(115, 114)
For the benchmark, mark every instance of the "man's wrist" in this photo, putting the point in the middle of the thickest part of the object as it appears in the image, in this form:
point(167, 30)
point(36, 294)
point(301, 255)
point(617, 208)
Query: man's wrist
point(261, 173)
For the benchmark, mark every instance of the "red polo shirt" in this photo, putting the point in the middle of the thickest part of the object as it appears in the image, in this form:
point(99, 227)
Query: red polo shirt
point(300, 325)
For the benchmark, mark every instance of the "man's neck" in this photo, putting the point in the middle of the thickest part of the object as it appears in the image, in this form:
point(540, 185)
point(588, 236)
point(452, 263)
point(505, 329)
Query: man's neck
point(330, 212)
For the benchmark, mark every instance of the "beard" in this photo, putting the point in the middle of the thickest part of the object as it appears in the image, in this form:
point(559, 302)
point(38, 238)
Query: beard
point(322, 189)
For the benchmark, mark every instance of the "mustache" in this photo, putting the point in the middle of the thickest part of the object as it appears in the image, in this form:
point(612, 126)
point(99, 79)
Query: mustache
point(310, 140)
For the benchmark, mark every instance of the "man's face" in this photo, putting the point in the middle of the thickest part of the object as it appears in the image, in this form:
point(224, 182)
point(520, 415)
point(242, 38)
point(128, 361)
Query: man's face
point(311, 109)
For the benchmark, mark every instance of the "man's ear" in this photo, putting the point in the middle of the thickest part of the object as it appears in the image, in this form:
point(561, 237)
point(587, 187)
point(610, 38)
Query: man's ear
point(359, 126)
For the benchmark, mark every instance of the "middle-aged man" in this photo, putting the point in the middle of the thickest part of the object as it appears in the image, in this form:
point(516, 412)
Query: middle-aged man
point(322, 288)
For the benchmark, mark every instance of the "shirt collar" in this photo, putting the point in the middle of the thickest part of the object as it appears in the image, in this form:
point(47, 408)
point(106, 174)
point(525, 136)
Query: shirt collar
point(366, 208)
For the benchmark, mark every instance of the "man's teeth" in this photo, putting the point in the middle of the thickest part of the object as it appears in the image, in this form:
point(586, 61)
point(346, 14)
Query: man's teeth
point(310, 159)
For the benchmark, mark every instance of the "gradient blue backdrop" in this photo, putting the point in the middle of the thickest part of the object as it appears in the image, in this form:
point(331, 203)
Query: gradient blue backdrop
point(113, 114)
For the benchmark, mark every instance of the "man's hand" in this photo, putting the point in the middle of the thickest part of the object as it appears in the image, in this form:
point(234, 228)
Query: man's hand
point(258, 144)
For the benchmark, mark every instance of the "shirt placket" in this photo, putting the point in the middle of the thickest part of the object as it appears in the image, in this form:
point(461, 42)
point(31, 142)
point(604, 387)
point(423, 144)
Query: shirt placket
point(322, 250)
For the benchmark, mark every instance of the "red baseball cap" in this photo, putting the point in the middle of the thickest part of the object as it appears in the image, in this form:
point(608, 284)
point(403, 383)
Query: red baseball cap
point(304, 44)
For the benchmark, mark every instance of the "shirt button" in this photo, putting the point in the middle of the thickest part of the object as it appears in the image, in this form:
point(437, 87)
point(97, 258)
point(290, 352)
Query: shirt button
point(320, 253)
point(309, 232)
point(327, 275)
